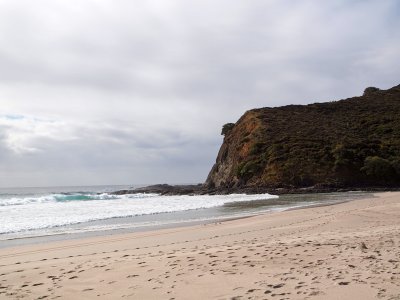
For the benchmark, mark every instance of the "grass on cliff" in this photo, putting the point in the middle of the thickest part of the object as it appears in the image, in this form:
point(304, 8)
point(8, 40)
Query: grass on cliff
point(349, 142)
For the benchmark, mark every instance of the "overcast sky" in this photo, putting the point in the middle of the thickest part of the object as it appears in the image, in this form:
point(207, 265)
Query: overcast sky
point(124, 92)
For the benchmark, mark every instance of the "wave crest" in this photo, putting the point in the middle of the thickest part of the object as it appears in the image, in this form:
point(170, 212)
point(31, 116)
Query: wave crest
point(67, 198)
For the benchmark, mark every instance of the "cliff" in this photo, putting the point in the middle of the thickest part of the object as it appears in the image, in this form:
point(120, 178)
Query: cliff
point(348, 143)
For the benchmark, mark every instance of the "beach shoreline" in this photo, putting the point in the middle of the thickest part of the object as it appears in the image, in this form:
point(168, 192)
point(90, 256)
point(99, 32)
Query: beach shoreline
point(84, 230)
point(348, 250)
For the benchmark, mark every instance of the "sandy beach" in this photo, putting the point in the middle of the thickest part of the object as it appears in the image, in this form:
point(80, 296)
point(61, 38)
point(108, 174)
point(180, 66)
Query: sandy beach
point(345, 251)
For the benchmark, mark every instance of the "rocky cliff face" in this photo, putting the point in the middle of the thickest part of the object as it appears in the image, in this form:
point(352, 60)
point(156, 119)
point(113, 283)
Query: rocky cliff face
point(352, 142)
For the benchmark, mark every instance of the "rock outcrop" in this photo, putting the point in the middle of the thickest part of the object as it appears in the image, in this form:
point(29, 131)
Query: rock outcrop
point(348, 143)
point(166, 190)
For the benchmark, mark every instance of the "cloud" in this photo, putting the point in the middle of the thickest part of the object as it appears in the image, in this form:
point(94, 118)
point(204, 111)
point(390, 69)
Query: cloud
point(137, 91)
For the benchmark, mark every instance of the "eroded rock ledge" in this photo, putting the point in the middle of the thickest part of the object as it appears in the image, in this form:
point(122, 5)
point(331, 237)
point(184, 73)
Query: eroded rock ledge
point(201, 189)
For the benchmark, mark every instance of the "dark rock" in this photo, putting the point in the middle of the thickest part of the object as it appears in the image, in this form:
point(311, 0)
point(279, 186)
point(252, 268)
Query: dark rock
point(201, 189)
point(166, 189)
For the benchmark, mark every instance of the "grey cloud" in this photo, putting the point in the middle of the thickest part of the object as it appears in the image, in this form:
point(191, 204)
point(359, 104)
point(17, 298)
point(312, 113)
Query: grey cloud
point(108, 155)
point(140, 89)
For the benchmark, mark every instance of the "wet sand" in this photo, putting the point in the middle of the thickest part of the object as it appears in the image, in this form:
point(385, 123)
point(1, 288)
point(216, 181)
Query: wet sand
point(345, 251)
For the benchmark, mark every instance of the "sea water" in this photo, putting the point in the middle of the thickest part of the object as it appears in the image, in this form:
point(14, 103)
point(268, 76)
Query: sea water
point(33, 212)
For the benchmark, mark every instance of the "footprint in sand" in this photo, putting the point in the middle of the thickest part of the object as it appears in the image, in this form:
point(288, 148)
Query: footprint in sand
point(37, 284)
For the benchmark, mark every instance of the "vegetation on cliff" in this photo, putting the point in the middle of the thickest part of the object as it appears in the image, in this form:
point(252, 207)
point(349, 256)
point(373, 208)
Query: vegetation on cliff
point(352, 142)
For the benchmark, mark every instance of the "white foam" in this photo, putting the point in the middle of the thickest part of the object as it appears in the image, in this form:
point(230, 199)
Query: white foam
point(48, 211)
point(66, 197)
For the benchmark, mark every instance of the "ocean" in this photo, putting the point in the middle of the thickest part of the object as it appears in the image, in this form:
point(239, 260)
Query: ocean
point(32, 214)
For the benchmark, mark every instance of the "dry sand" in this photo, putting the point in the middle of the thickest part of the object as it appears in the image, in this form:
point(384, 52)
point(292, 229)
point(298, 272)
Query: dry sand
point(345, 251)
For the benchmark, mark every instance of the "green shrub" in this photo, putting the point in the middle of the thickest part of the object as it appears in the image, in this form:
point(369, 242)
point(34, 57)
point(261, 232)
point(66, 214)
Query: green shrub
point(370, 90)
point(257, 148)
point(396, 166)
point(378, 167)
point(248, 168)
point(227, 128)
point(344, 157)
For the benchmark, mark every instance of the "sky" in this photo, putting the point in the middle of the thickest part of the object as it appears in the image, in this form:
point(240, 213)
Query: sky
point(136, 92)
